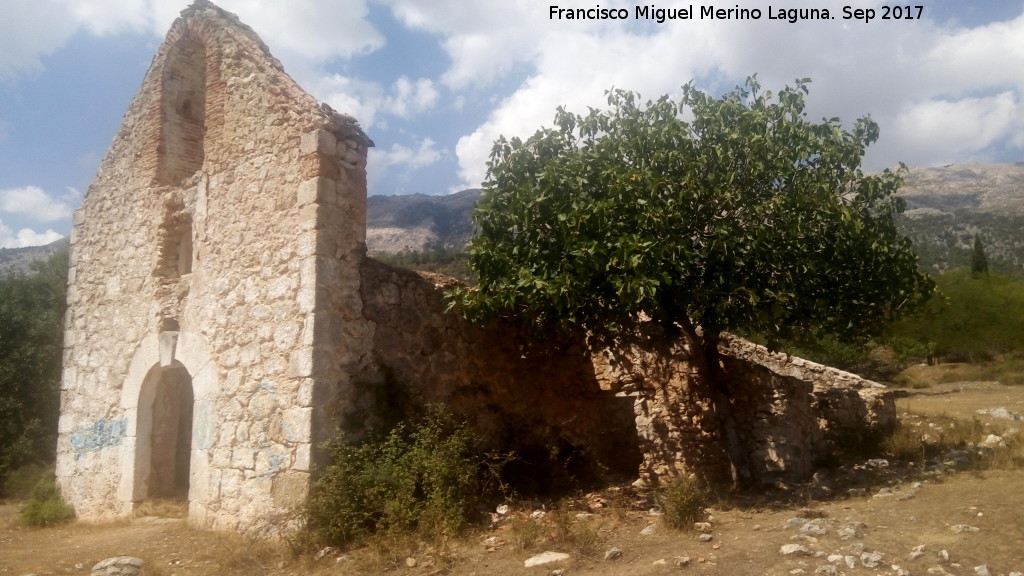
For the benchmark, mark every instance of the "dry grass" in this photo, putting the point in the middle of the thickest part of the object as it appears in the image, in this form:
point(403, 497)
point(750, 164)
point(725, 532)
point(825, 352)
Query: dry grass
point(1008, 372)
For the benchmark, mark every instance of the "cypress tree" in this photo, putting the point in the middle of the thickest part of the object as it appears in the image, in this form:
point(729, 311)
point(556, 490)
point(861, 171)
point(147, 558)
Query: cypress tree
point(979, 263)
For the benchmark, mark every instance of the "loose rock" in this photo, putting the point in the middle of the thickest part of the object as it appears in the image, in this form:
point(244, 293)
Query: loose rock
point(794, 550)
point(613, 554)
point(545, 558)
point(118, 566)
point(871, 559)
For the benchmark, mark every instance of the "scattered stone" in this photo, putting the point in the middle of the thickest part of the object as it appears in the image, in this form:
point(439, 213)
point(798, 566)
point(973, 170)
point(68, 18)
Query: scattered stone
point(545, 558)
point(705, 537)
point(648, 530)
point(613, 554)
point(683, 561)
point(982, 570)
point(884, 493)
point(835, 558)
point(557, 572)
point(584, 516)
point(917, 552)
point(1016, 574)
point(1001, 413)
point(851, 530)
point(491, 542)
point(794, 550)
point(794, 523)
point(661, 562)
point(877, 463)
point(797, 571)
point(813, 529)
point(502, 509)
point(944, 555)
point(851, 562)
point(871, 559)
point(537, 514)
point(325, 552)
point(703, 527)
point(961, 528)
point(411, 562)
point(993, 441)
point(118, 566)
point(857, 548)
point(827, 571)
point(900, 571)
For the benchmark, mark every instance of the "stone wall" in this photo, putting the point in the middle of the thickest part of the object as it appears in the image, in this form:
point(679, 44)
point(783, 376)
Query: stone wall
point(540, 401)
point(791, 414)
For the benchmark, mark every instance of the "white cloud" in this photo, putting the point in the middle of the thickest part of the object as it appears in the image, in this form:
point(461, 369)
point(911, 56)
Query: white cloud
point(303, 33)
point(945, 131)
point(401, 157)
point(26, 237)
point(34, 203)
point(29, 30)
point(938, 91)
point(348, 95)
point(313, 30)
point(411, 97)
point(367, 100)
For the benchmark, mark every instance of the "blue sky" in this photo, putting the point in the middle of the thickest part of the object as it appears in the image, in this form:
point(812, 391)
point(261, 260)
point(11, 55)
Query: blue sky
point(435, 82)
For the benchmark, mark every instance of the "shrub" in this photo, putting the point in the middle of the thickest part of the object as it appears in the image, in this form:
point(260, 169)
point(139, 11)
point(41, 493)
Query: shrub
point(46, 507)
point(683, 502)
point(426, 475)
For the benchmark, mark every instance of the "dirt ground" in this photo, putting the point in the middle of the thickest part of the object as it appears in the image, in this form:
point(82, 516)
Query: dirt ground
point(892, 517)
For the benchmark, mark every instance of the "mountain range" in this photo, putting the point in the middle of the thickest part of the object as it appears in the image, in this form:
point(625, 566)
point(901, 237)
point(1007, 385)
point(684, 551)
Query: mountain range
point(946, 208)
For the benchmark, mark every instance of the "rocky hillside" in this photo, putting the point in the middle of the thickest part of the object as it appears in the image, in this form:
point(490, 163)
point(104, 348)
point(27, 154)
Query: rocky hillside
point(418, 222)
point(947, 206)
point(20, 259)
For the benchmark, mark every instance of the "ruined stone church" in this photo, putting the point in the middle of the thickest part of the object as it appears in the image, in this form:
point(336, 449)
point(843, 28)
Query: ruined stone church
point(223, 320)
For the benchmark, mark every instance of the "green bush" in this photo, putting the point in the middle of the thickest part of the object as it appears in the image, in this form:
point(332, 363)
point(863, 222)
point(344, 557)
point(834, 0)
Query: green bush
point(425, 476)
point(683, 502)
point(46, 507)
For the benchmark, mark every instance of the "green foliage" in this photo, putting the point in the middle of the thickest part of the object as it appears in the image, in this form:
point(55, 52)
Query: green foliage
point(448, 261)
point(683, 502)
point(31, 345)
point(945, 241)
point(736, 213)
point(977, 318)
point(426, 476)
point(46, 507)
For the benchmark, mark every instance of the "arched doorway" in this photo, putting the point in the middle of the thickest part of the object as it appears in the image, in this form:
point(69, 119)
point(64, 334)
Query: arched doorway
point(164, 443)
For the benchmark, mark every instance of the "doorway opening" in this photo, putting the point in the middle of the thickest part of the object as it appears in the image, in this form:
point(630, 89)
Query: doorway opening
point(164, 442)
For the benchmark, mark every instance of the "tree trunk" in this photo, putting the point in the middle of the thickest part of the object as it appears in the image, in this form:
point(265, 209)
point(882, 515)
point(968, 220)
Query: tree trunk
point(707, 362)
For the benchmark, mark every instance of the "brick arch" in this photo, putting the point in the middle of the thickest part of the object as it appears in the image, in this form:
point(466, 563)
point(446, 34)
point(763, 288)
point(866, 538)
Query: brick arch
point(178, 134)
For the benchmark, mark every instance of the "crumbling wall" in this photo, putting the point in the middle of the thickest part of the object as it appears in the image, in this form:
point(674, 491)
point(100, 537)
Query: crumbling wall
point(544, 401)
point(790, 413)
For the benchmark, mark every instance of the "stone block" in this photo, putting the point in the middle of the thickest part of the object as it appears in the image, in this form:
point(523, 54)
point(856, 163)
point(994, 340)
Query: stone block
point(290, 489)
point(318, 141)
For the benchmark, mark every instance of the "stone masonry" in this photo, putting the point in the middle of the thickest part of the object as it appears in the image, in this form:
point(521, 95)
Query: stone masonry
point(224, 320)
